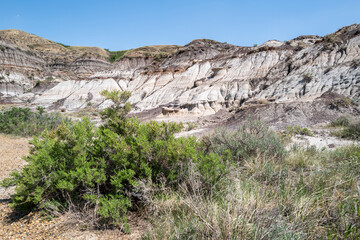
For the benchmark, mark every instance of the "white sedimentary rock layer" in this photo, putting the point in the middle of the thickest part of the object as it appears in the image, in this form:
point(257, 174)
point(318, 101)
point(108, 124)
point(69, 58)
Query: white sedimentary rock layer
point(202, 77)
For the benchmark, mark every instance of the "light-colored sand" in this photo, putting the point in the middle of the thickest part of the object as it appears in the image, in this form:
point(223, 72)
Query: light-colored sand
point(12, 149)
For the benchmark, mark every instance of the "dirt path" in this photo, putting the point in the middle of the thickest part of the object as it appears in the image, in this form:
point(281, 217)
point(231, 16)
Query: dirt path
point(11, 151)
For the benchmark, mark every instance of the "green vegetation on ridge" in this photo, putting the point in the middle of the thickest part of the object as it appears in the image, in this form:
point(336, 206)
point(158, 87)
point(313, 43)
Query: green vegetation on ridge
point(116, 55)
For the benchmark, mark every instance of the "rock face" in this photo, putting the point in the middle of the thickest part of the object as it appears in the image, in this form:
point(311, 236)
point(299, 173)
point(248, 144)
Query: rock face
point(201, 77)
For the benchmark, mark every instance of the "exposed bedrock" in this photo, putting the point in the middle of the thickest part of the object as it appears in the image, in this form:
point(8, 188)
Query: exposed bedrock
point(201, 77)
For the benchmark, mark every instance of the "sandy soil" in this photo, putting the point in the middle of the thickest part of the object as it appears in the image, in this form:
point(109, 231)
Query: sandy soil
point(12, 149)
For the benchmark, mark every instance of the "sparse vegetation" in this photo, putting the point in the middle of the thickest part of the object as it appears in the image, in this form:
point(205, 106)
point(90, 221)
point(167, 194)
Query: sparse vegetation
point(191, 125)
point(297, 130)
point(229, 185)
point(350, 128)
point(64, 45)
point(116, 55)
point(341, 103)
point(49, 79)
point(24, 122)
point(37, 83)
point(342, 121)
point(308, 195)
point(97, 171)
point(300, 46)
point(252, 138)
point(352, 131)
point(160, 55)
point(307, 77)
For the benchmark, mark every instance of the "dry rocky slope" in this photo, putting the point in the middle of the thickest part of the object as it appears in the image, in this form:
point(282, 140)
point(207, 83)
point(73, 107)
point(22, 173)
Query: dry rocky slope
point(312, 77)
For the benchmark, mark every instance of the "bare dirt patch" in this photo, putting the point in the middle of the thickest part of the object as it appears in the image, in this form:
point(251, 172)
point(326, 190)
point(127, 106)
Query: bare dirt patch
point(12, 149)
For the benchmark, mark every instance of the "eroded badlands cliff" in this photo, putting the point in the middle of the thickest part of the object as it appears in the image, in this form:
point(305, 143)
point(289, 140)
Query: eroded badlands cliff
point(201, 77)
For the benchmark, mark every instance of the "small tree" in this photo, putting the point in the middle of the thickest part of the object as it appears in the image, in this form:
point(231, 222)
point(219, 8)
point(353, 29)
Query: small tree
point(116, 114)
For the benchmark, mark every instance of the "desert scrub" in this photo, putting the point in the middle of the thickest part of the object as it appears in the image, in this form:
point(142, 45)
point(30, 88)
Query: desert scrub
point(311, 194)
point(297, 130)
point(191, 125)
point(116, 55)
point(350, 128)
point(352, 131)
point(96, 172)
point(252, 138)
point(24, 122)
point(307, 77)
point(340, 122)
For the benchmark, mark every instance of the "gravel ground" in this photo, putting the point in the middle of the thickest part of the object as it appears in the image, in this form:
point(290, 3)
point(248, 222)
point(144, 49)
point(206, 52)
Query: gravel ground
point(36, 225)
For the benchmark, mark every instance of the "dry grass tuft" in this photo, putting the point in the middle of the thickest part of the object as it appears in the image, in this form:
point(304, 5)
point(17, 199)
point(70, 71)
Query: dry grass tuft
point(308, 195)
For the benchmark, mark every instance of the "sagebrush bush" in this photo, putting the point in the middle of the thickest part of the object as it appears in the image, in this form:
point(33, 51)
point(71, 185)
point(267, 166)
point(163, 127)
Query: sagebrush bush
point(352, 131)
point(24, 122)
point(297, 130)
point(252, 138)
point(340, 122)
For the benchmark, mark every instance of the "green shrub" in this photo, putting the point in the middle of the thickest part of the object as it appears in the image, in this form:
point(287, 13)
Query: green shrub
point(191, 126)
point(307, 77)
point(297, 130)
point(340, 122)
point(64, 45)
point(96, 171)
point(49, 79)
point(252, 138)
point(116, 55)
point(24, 122)
point(352, 131)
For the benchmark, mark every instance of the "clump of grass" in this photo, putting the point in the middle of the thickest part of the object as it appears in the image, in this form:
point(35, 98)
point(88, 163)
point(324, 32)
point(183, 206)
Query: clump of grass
point(49, 79)
point(350, 128)
point(352, 131)
point(342, 121)
point(191, 125)
point(24, 122)
point(297, 130)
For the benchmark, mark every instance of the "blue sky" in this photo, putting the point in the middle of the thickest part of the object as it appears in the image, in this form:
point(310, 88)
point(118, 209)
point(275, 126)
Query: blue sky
point(128, 24)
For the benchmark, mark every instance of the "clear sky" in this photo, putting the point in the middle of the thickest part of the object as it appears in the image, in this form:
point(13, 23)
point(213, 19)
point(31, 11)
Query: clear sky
point(128, 24)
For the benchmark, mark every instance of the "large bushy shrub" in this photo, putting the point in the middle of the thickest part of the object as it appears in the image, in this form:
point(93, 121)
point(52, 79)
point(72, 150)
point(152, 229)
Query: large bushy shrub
point(97, 170)
point(24, 122)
